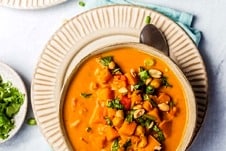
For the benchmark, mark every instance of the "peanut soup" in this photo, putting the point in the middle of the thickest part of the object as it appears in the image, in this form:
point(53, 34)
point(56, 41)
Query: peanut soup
point(124, 99)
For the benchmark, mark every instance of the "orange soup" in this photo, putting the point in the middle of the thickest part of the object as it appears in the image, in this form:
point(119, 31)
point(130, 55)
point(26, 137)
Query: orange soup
point(124, 99)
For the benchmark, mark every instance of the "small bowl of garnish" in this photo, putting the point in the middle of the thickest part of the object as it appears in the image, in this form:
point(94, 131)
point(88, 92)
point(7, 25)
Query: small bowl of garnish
point(127, 97)
point(13, 102)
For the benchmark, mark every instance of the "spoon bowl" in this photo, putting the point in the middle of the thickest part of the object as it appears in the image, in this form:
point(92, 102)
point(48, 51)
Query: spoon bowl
point(152, 36)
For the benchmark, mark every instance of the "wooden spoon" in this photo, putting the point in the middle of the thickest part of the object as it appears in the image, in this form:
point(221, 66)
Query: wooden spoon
point(152, 36)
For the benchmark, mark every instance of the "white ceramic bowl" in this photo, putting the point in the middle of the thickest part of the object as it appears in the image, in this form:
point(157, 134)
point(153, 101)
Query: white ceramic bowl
point(189, 95)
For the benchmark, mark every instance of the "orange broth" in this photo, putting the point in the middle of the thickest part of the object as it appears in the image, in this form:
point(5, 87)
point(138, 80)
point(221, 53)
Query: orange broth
point(77, 110)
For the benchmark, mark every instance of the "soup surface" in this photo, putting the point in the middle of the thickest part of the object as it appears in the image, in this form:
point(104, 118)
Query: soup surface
point(124, 99)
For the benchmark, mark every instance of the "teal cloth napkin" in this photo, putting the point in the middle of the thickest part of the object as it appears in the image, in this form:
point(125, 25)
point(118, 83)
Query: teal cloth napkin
point(183, 19)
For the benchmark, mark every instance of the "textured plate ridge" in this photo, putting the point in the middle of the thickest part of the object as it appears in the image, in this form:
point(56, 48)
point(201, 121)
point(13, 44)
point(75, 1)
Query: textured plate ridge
point(95, 29)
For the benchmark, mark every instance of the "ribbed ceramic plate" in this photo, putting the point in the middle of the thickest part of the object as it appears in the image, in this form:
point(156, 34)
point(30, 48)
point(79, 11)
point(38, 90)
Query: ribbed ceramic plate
point(30, 4)
point(8, 74)
point(95, 29)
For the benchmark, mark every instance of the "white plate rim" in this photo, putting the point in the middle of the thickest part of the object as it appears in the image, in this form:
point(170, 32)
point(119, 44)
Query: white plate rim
point(30, 4)
point(9, 74)
point(181, 41)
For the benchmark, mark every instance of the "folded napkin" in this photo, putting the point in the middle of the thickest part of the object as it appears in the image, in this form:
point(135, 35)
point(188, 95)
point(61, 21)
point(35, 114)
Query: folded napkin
point(181, 18)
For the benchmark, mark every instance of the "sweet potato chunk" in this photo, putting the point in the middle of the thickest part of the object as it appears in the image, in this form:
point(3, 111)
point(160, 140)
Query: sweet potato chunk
point(131, 79)
point(152, 143)
point(128, 128)
point(163, 98)
point(104, 94)
point(136, 98)
point(98, 115)
point(166, 127)
point(103, 75)
point(118, 82)
point(100, 141)
point(155, 113)
point(110, 133)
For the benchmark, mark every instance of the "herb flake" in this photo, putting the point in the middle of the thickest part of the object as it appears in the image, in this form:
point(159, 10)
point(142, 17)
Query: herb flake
point(106, 60)
point(129, 116)
point(115, 104)
point(127, 144)
point(86, 95)
point(148, 19)
point(158, 134)
point(82, 3)
point(31, 121)
point(165, 82)
point(115, 145)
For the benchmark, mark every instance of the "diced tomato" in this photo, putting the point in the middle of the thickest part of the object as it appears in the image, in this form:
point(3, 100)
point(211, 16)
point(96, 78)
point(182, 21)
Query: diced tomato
point(126, 102)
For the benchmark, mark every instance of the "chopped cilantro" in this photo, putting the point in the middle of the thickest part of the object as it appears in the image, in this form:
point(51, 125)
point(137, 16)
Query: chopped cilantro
point(115, 145)
point(144, 75)
point(129, 116)
point(127, 144)
point(11, 100)
point(86, 95)
point(148, 19)
point(165, 82)
point(82, 3)
point(31, 121)
point(106, 60)
point(115, 104)
point(158, 134)
point(149, 90)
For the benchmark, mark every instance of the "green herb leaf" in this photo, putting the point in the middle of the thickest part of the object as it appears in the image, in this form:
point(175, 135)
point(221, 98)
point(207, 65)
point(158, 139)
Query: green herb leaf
point(146, 97)
point(165, 82)
point(139, 85)
point(86, 95)
point(144, 75)
point(127, 144)
point(171, 104)
point(115, 145)
point(82, 3)
point(149, 117)
point(145, 120)
point(153, 103)
point(158, 134)
point(129, 116)
point(31, 121)
point(106, 60)
point(11, 100)
point(148, 19)
point(115, 104)
point(149, 90)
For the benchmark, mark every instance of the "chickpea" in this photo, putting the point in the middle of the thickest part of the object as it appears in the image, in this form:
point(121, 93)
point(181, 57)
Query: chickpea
point(156, 83)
